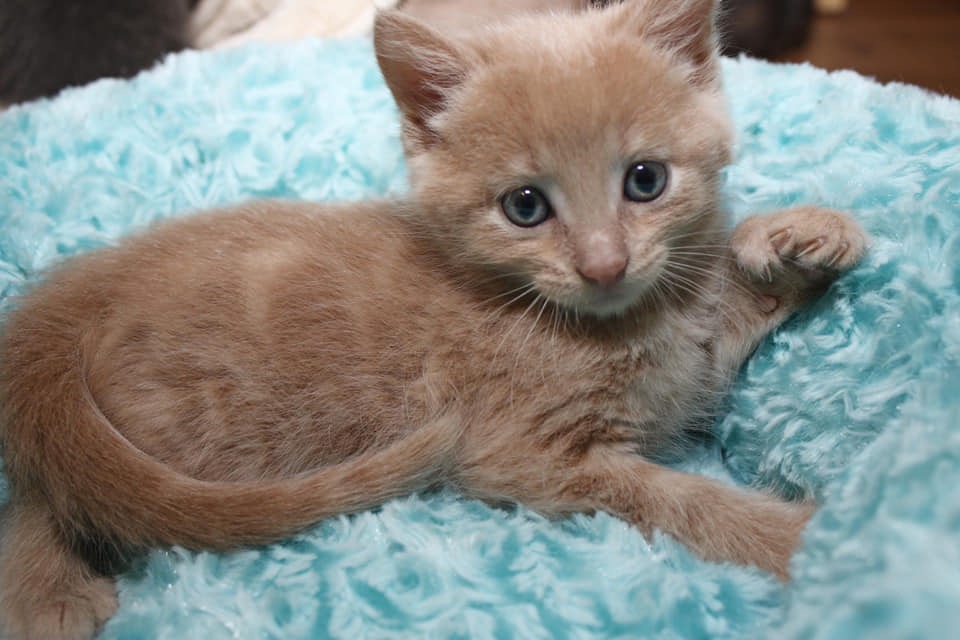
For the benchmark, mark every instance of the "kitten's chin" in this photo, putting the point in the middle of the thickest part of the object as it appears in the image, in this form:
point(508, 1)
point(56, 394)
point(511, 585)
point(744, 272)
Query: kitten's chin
point(609, 302)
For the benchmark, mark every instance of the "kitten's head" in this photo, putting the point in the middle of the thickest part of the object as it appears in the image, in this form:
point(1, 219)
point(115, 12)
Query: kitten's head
point(578, 153)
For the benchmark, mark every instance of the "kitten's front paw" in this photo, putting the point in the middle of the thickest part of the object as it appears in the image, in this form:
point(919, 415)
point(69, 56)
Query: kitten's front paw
point(797, 249)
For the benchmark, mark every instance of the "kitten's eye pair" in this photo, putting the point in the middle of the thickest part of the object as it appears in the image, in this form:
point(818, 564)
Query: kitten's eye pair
point(528, 207)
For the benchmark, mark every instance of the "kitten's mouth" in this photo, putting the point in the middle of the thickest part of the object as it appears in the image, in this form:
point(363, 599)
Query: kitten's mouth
point(605, 302)
point(589, 298)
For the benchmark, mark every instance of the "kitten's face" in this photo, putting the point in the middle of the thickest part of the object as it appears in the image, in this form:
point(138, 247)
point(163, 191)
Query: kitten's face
point(577, 160)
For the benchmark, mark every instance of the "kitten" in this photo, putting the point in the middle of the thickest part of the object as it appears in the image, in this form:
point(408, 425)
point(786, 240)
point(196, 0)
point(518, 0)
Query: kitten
point(48, 45)
point(557, 301)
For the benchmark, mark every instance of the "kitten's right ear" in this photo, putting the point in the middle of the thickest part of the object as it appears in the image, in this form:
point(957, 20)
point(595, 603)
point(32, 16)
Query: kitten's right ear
point(685, 27)
point(421, 68)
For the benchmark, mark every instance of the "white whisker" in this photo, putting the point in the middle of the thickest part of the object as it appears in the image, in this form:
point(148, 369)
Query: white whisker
point(515, 324)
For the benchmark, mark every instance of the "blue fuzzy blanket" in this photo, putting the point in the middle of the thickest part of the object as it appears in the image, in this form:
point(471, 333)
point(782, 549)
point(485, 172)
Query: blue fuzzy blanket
point(855, 401)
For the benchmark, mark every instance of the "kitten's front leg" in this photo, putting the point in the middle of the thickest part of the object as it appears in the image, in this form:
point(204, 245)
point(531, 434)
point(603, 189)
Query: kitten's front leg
point(719, 522)
point(778, 262)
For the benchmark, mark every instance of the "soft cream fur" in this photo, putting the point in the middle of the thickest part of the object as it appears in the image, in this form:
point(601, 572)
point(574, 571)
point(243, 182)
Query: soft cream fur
point(230, 23)
point(450, 16)
point(235, 376)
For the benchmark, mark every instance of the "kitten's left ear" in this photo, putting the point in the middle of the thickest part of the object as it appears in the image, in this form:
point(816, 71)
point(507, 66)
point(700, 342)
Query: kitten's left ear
point(685, 27)
point(421, 67)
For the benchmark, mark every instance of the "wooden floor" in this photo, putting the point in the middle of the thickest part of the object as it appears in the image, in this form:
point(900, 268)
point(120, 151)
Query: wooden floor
point(914, 41)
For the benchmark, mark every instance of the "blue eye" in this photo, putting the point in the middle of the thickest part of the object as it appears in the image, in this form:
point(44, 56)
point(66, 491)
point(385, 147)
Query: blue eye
point(526, 207)
point(645, 181)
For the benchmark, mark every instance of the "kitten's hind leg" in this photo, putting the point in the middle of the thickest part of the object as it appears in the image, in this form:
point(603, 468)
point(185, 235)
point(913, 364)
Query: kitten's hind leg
point(47, 591)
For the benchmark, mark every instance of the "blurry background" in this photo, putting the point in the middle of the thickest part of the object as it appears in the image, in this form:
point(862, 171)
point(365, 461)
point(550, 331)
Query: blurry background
point(913, 41)
point(46, 45)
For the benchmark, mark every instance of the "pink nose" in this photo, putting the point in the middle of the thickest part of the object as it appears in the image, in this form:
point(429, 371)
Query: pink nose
point(604, 270)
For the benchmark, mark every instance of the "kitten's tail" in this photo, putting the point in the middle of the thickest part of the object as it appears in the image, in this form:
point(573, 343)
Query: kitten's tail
point(97, 482)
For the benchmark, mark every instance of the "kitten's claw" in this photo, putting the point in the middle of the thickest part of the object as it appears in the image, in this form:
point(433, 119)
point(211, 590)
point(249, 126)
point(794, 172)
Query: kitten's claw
point(797, 248)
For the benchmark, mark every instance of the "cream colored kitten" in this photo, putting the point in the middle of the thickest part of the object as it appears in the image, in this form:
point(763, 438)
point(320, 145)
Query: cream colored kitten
point(558, 300)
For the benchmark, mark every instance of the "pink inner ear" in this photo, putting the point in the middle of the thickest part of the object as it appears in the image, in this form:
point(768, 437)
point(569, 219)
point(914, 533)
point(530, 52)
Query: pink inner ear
point(416, 95)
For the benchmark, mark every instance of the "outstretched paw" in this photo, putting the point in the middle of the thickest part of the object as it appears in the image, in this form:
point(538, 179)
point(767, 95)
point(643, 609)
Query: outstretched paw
point(797, 249)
